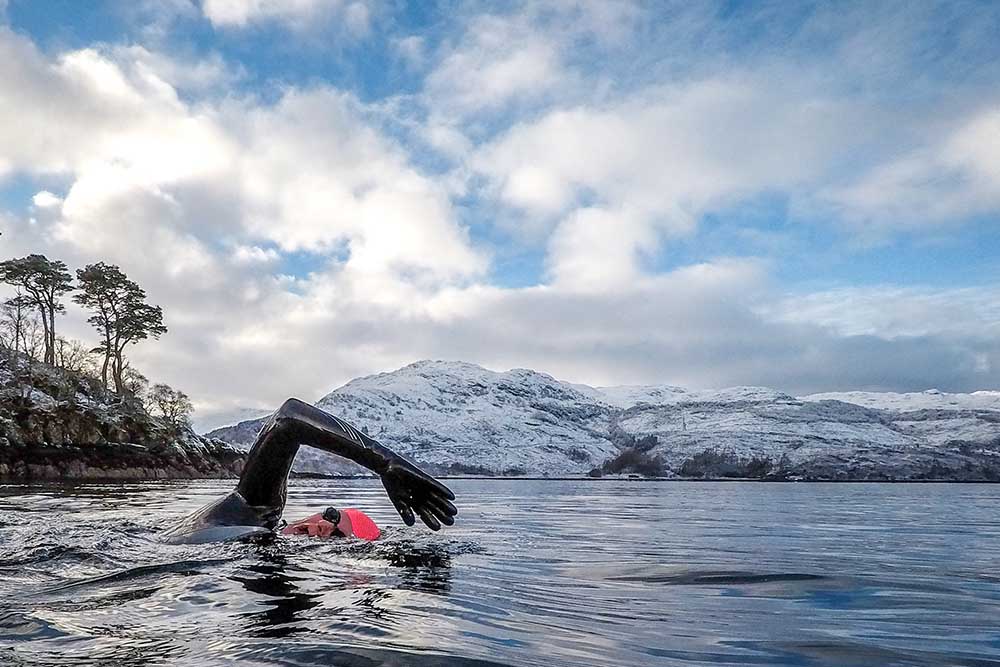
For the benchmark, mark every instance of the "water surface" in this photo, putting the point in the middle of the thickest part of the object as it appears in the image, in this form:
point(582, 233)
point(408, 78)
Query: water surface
point(534, 573)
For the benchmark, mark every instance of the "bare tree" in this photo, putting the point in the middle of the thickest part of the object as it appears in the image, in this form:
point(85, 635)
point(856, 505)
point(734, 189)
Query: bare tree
point(22, 333)
point(75, 357)
point(173, 406)
point(136, 385)
point(15, 313)
point(35, 339)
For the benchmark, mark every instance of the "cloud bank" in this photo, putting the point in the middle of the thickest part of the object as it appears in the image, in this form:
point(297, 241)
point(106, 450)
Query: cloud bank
point(298, 235)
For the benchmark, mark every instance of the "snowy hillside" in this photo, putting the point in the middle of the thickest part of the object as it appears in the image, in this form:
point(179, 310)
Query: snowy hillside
point(60, 425)
point(460, 418)
point(211, 420)
point(932, 399)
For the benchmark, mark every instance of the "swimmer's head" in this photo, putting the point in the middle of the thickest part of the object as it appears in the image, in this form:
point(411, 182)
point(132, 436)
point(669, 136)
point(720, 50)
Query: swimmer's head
point(335, 523)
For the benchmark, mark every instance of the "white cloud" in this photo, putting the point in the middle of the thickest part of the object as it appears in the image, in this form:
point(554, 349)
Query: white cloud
point(412, 49)
point(944, 182)
point(207, 75)
point(446, 139)
point(299, 14)
point(255, 255)
point(523, 57)
point(315, 176)
point(88, 109)
point(696, 144)
point(45, 199)
point(708, 325)
point(695, 114)
point(156, 19)
point(599, 250)
point(202, 202)
point(186, 199)
point(892, 312)
point(654, 162)
point(497, 68)
point(306, 173)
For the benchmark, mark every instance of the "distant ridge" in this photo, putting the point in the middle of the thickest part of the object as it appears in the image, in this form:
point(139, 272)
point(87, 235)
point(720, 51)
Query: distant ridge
point(457, 417)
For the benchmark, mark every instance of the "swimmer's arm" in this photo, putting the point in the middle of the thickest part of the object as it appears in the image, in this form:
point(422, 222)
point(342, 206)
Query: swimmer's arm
point(311, 426)
point(410, 489)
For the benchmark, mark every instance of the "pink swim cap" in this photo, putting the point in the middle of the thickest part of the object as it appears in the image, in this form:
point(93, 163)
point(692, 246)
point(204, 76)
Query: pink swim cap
point(362, 525)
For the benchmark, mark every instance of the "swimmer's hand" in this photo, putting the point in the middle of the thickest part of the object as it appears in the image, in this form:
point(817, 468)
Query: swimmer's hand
point(411, 490)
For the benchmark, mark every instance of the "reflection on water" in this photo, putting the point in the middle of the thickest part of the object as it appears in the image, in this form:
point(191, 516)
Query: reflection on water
point(597, 573)
point(283, 601)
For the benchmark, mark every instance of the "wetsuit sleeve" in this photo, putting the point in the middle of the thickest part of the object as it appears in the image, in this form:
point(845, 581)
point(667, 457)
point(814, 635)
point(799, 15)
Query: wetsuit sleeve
point(297, 423)
point(311, 426)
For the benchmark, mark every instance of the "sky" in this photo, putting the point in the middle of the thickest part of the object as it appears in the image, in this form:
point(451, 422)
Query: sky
point(797, 195)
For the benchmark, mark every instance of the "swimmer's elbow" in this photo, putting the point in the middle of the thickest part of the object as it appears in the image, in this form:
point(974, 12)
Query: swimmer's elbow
point(292, 407)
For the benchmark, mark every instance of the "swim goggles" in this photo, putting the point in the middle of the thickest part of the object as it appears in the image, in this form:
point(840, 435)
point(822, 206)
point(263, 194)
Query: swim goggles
point(332, 514)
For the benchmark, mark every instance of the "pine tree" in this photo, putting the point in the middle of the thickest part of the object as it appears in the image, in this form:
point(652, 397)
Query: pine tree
point(43, 282)
point(120, 315)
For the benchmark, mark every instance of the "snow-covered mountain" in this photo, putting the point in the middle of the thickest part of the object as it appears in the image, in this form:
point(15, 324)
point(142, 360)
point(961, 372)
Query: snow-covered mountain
point(461, 418)
point(932, 399)
point(208, 420)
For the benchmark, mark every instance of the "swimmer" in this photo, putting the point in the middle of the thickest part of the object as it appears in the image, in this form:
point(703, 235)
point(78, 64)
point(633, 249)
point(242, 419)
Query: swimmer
point(255, 506)
point(335, 523)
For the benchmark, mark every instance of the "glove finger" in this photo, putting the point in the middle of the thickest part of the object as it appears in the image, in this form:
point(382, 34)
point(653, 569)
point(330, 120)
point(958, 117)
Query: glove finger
point(443, 490)
point(433, 485)
point(432, 506)
point(404, 512)
point(444, 510)
point(428, 518)
point(418, 478)
point(448, 507)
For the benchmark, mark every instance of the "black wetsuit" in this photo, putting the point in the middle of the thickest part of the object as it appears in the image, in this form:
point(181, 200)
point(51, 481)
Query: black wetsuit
point(255, 506)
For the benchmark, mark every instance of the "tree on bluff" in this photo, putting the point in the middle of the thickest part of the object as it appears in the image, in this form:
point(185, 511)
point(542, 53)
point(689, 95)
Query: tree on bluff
point(75, 357)
point(172, 405)
point(120, 314)
point(18, 325)
point(43, 282)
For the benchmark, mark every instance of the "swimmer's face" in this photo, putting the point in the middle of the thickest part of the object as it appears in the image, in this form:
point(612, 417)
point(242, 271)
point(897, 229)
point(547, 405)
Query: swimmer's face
point(317, 526)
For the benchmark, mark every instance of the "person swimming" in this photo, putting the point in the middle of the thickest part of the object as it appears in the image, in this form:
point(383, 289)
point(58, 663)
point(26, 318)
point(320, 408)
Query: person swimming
point(255, 506)
point(335, 523)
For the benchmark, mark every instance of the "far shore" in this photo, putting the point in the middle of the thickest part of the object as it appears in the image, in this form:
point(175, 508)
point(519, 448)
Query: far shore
point(7, 481)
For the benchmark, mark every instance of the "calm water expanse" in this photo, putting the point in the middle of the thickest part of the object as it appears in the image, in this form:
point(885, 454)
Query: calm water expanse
point(534, 573)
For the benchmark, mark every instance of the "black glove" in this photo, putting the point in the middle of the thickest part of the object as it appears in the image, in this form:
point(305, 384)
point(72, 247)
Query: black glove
point(411, 490)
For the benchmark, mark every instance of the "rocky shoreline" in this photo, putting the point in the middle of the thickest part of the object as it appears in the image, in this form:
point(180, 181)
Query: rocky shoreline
point(113, 461)
point(64, 426)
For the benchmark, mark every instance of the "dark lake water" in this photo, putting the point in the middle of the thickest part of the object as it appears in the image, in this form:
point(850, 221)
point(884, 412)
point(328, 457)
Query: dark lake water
point(534, 573)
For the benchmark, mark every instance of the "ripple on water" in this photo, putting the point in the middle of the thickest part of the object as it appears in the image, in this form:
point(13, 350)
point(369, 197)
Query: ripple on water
point(534, 573)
